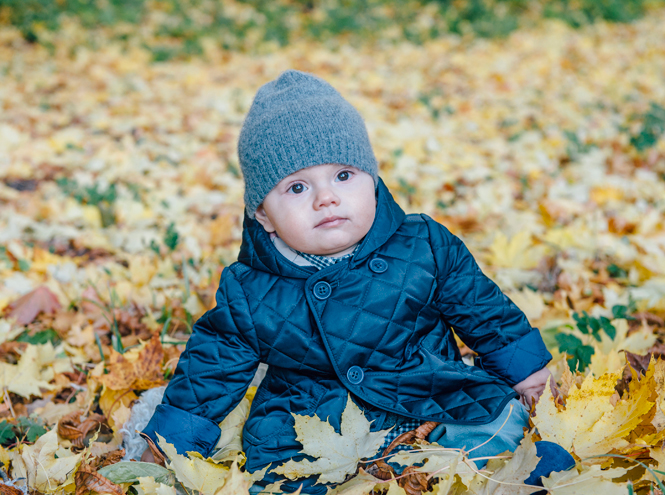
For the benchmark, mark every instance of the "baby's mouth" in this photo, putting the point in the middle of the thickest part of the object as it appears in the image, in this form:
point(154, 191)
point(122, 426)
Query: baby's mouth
point(330, 222)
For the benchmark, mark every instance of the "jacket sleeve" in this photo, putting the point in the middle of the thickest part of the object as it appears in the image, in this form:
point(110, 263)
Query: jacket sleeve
point(483, 316)
point(213, 373)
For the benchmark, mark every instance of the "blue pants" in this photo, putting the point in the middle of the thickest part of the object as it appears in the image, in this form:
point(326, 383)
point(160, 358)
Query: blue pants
point(469, 436)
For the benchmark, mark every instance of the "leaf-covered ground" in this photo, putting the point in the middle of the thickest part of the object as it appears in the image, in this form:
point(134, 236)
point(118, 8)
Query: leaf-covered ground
point(121, 201)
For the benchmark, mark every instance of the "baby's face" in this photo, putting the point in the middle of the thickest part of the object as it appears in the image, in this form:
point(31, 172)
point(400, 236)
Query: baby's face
point(323, 210)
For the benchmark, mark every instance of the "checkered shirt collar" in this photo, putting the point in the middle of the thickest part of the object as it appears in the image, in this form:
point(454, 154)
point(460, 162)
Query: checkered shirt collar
point(321, 262)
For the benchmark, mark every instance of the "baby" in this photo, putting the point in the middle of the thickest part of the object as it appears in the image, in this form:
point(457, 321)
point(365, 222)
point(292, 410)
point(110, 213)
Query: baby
point(340, 292)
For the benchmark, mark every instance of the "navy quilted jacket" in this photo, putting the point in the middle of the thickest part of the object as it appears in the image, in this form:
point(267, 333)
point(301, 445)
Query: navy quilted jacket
point(378, 326)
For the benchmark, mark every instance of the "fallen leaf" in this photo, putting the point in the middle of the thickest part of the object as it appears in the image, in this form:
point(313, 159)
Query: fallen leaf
point(509, 478)
point(142, 374)
point(148, 486)
point(236, 483)
point(46, 472)
point(361, 484)
point(195, 473)
point(584, 407)
point(9, 490)
point(609, 433)
point(88, 480)
point(590, 480)
point(131, 472)
point(337, 455)
point(26, 308)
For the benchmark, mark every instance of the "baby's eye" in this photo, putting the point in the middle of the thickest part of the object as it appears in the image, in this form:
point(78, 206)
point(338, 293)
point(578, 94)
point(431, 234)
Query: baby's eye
point(297, 188)
point(344, 175)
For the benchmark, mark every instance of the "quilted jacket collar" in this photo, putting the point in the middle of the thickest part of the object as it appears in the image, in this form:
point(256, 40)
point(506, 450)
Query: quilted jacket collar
point(258, 252)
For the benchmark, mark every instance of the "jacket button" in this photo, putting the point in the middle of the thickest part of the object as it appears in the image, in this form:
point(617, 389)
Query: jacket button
point(322, 290)
point(378, 265)
point(355, 375)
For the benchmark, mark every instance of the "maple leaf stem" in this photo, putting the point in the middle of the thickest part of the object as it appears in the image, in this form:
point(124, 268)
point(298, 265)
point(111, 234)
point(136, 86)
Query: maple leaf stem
point(48, 478)
point(434, 473)
point(471, 466)
point(8, 401)
point(442, 449)
point(183, 487)
point(510, 412)
point(116, 401)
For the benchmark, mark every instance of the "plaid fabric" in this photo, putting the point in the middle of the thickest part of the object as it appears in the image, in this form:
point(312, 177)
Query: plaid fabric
point(324, 261)
point(407, 424)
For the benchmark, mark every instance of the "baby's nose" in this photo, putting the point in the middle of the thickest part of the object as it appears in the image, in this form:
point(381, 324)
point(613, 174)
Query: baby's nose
point(326, 197)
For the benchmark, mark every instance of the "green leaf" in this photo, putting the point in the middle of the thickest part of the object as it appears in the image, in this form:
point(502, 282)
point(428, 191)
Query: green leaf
point(7, 432)
point(129, 472)
point(48, 335)
point(580, 354)
point(32, 428)
point(171, 238)
point(608, 327)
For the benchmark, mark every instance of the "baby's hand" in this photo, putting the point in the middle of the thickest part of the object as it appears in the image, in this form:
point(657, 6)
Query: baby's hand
point(532, 387)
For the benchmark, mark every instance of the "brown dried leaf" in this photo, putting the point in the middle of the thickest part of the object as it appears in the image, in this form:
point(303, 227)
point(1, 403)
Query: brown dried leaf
point(70, 427)
point(412, 481)
point(26, 308)
point(88, 480)
point(144, 373)
point(108, 459)
point(638, 363)
point(157, 454)
point(409, 437)
point(9, 490)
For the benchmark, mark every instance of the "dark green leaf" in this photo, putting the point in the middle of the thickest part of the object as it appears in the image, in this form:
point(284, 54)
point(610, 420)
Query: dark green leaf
point(48, 335)
point(171, 238)
point(7, 433)
point(580, 354)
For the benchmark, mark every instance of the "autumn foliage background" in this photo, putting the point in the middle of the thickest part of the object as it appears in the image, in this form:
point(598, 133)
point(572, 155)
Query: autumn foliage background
point(532, 130)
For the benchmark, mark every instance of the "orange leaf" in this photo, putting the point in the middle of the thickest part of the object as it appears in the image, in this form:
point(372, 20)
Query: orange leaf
point(26, 308)
point(9, 490)
point(144, 373)
point(89, 480)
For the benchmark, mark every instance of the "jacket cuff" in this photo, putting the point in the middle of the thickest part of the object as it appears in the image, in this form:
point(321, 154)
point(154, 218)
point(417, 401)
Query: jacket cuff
point(518, 360)
point(186, 431)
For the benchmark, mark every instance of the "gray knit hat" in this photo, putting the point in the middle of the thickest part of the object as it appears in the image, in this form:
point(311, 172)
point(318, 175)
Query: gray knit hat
point(298, 121)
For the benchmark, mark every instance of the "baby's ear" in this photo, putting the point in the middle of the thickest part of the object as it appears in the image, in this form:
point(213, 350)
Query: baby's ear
point(263, 219)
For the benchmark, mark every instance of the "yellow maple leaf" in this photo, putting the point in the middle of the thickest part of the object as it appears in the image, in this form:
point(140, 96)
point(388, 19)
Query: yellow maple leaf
point(589, 480)
point(584, 406)
point(194, 472)
point(518, 252)
point(434, 458)
point(148, 486)
point(610, 430)
point(29, 375)
point(337, 455)
point(230, 441)
point(360, 484)
point(509, 477)
point(236, 483)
